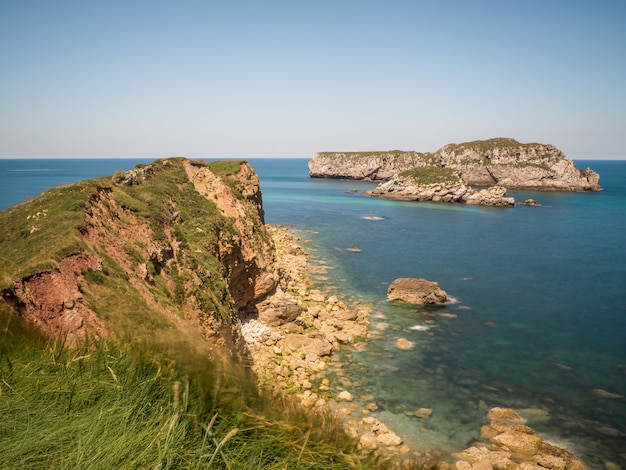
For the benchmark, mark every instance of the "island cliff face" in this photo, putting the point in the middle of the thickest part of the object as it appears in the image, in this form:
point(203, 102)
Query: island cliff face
point(503, 162)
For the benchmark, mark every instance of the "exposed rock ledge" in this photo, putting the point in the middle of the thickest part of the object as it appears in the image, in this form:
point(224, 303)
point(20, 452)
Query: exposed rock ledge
point(504, 162)
point(513, 445)
point(406, 189)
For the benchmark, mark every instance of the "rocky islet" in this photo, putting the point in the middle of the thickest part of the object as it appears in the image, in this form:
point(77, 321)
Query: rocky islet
point(498, 164)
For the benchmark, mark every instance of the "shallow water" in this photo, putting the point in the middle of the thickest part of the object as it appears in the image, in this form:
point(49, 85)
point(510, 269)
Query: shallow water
point(540, 320)
point(540, 317)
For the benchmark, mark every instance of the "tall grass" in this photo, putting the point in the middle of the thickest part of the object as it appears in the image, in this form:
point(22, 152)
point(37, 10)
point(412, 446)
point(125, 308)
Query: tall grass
point(107, 405)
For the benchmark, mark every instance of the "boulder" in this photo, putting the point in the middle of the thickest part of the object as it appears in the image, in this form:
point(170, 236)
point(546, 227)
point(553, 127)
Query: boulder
point(514, 445)
point(280, 311)
point(530, 202)
point(492, 196)
point(416, 291)
point(423, 413)
point(404, 343)
point(308, 343)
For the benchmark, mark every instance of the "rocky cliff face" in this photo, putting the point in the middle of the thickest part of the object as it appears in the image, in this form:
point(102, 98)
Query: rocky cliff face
point(367, 166)
point(503, 162)
point(174, 246)
point(508, 163)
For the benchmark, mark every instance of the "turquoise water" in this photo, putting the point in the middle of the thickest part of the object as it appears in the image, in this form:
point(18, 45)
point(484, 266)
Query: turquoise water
point(540, 318)
point(540, 315)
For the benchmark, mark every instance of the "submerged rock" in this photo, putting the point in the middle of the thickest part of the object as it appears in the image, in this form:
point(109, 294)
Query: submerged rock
point(416, 291)
point(530, 202)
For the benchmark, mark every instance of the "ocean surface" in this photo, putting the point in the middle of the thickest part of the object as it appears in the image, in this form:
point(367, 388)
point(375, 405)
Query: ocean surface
point(539, 318)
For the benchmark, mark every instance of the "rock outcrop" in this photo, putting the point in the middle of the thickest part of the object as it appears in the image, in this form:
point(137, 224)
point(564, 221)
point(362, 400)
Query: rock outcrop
point(509, 443)
point(503, 162)
point(416, 291)
point(405, 188)
point(508, 163)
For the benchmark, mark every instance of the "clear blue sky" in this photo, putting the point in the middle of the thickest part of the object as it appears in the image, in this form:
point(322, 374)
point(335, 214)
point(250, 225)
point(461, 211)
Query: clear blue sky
point(240, 79)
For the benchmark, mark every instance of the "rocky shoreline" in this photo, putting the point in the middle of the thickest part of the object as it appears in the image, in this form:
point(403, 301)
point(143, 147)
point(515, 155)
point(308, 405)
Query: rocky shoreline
point(403, 189)
point(291, 336)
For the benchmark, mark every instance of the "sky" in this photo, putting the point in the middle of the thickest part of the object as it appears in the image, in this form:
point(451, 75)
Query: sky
point(272, 78)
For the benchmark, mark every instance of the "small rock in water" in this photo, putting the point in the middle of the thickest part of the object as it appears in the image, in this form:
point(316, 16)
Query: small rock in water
point(416, 291)
point(423, 413)
point(530, 202)
point(345, 396)
point(404, 344)
point(505, 414)
point(371, 406)
point(604, 394)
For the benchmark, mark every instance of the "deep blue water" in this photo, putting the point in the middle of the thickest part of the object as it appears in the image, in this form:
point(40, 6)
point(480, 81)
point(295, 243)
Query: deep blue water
point(540, 318)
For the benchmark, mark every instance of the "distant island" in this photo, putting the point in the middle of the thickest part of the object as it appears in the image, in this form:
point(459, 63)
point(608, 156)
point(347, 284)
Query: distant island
point(501, 162)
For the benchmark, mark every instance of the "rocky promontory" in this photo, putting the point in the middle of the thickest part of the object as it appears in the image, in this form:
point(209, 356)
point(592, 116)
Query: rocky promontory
point(500, 161)
point(439, 185)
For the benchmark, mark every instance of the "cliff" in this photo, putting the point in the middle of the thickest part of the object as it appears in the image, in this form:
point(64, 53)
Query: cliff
point(176, 245)
point(503, 162)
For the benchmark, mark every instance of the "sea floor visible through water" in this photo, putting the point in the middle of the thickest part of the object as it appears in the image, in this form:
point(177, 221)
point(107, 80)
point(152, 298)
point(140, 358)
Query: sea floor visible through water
point(539, 318)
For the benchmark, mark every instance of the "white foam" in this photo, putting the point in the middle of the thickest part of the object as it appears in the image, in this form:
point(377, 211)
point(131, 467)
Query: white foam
point(420, 327)
point(372, 217)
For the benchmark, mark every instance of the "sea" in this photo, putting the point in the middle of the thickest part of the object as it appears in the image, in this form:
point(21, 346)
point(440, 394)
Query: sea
point(537, 321)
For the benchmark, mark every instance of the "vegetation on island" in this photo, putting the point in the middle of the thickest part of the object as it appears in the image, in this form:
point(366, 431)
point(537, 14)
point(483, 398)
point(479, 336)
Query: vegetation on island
point(427, 175)
point(425, 158)
point(485, 146)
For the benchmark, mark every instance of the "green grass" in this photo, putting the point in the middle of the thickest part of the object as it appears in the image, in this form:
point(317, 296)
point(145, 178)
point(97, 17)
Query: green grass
point(426, 157)
point(491, 144)
point(225, 167)
point(431, 175)
point(107, 405)
point(35, 235)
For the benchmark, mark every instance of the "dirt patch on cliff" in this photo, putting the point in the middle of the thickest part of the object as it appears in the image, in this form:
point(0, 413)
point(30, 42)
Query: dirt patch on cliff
point(52, 300)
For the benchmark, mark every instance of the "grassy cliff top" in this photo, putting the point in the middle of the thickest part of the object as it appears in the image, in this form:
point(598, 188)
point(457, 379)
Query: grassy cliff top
point(36, 234)
point(479, 145)
point(491, 144)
